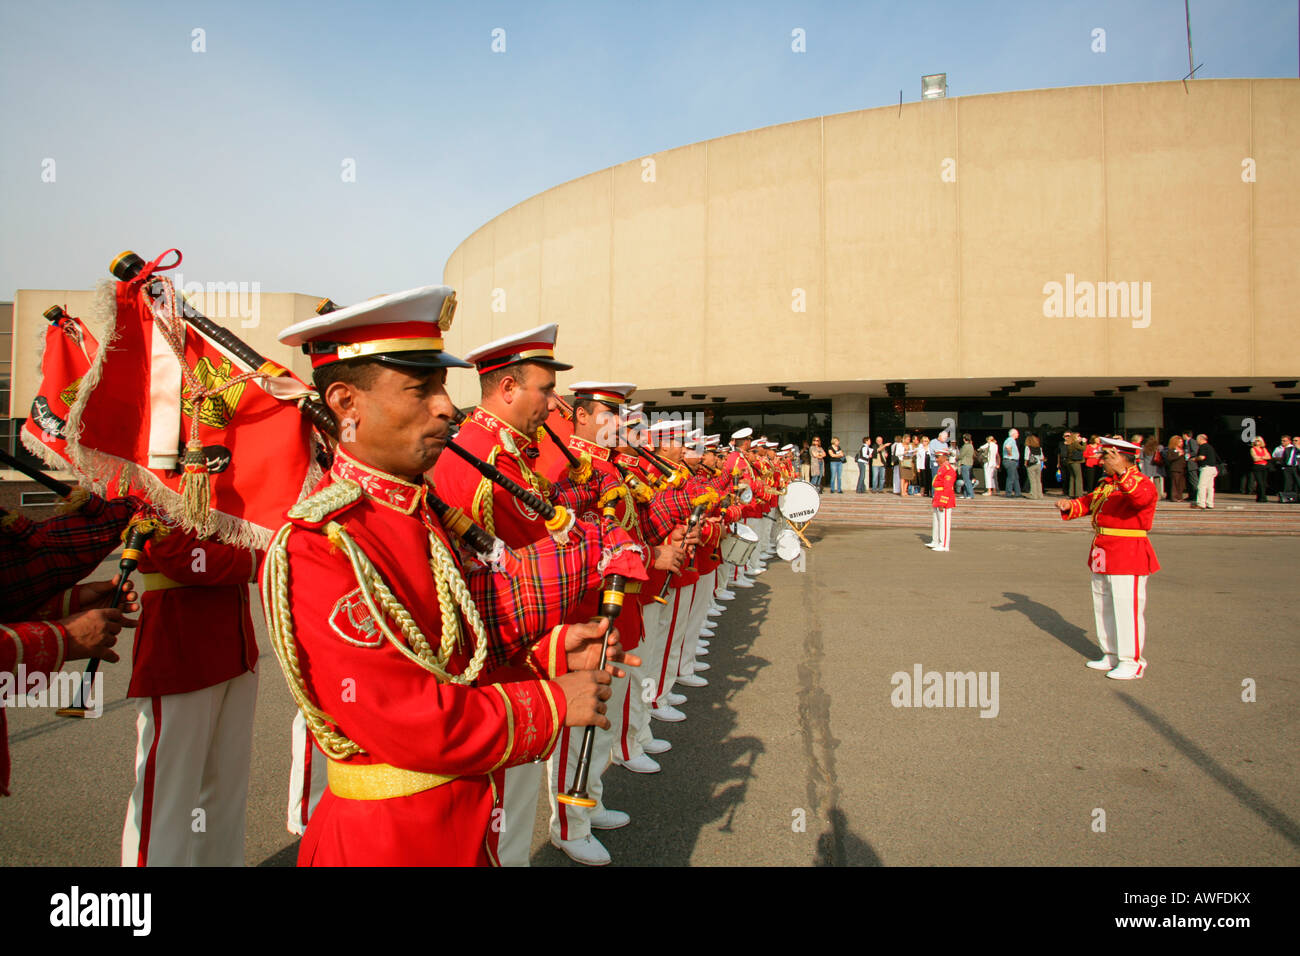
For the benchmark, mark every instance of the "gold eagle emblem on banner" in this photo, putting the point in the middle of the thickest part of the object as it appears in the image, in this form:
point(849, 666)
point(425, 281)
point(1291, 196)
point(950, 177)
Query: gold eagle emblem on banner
point(219, 409)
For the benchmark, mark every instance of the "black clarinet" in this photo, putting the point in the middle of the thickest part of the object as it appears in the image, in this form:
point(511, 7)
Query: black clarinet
point(611, 604)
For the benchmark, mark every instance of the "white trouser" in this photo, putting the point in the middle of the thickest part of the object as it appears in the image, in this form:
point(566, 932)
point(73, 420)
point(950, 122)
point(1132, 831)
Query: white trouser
point(192, 755)
point(695, 621)
point(1119, 602)
point(1205, 486)
point(574, 823)
point(941, 528)
point(644, 686)
point(990, 479)
point(307, 776)
point(755, 562)
point(519, 797)
point(681, 600)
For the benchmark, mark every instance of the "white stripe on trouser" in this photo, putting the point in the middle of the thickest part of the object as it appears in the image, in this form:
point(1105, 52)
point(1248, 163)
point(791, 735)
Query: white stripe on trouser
point(941, 527)
point(204, 746)
point(1119, 603)
point(307, 776)
point(574, 823)
point(519, 812)
point(694, 624)
point(655, 618)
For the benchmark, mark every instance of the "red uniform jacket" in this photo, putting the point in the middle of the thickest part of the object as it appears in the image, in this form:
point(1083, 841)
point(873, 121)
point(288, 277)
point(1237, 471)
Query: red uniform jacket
point(943, 487)
point(459, 483)
point(199, 633)
point(604, 478)
point(397, 711)
point(1124, 502)
point(39, 646)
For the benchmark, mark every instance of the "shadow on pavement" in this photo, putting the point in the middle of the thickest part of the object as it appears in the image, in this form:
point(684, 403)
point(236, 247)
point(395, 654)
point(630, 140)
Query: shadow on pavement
point(706, 775)
point(1047, 619)
point(1247, 797)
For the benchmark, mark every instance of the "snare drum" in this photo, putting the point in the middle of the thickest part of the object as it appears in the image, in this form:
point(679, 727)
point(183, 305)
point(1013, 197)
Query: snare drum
point(787, 545)
point(801, 502)
point(736, 548)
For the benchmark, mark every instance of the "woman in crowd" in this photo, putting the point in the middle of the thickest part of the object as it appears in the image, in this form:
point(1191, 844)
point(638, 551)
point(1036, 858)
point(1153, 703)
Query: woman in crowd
point(896, 464)
point(835, 455)
point(922, 446)
point(817, 466)
point(804, 459)
point(1176, 464)
point(1260, 457)
point(1153, 463)
point(966, 461)
point(863, 459)
point(879, 459)
point(991, 453)
point(1034, 465)
point(1091, 463)
point(908, 459)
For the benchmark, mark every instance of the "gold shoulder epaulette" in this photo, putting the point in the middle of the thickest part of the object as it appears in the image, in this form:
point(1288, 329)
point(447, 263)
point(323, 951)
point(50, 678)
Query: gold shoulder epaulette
point(330, 500)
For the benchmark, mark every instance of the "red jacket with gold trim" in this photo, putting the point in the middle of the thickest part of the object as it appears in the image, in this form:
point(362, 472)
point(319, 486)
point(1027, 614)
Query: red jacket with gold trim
point(397, 711)
point(1124, 502)
point(944, 486)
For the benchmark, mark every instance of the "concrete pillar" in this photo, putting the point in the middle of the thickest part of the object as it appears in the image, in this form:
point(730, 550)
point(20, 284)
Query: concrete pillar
point(850, 420)
point(1144, 412)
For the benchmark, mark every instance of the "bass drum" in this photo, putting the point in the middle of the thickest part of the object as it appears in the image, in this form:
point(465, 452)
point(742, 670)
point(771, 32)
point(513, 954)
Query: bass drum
point(801, 502)
point(736, 548)
point(787, 545)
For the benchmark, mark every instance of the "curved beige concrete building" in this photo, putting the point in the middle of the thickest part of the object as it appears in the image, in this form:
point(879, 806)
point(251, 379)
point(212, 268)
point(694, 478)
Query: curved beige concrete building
point(920, 245)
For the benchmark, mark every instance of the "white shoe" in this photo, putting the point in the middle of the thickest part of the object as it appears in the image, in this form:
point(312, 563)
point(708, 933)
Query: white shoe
point(1127, 670)
point(700, 641)
point(609, 819)
point(943, 549)
point(588, 850)
point(1105, 664)
point(671, 714)
point(931, 545)
point(675, 700)
point(742, 583)
point(715, 612)
point(641, 763)
point(715, 606)
point(756, 570)
point(706, 632)
point(724, 595)
point(692, 680)
point(656, 746)
point(701, 651)
point(701, 666)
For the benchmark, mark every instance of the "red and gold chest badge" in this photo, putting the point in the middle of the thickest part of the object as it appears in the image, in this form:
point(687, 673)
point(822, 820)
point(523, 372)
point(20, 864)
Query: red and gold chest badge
point(351, 620)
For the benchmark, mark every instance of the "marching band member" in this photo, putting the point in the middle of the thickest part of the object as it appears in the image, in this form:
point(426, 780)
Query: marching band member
point(517, 380)
point(386, 642)
point(943, 502)
point(595, 427)
point(1122, 507)
point(193, 675)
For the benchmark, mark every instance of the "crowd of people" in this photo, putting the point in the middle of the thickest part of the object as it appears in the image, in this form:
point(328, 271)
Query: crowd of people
point(1185, 468)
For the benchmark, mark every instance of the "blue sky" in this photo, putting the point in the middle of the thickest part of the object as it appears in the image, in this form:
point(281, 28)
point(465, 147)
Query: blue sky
point(234, 154)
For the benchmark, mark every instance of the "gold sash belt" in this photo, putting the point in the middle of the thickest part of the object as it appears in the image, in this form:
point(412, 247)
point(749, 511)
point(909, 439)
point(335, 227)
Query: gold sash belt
point(1123, 532)
point(159, 582)
point(379, 781)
